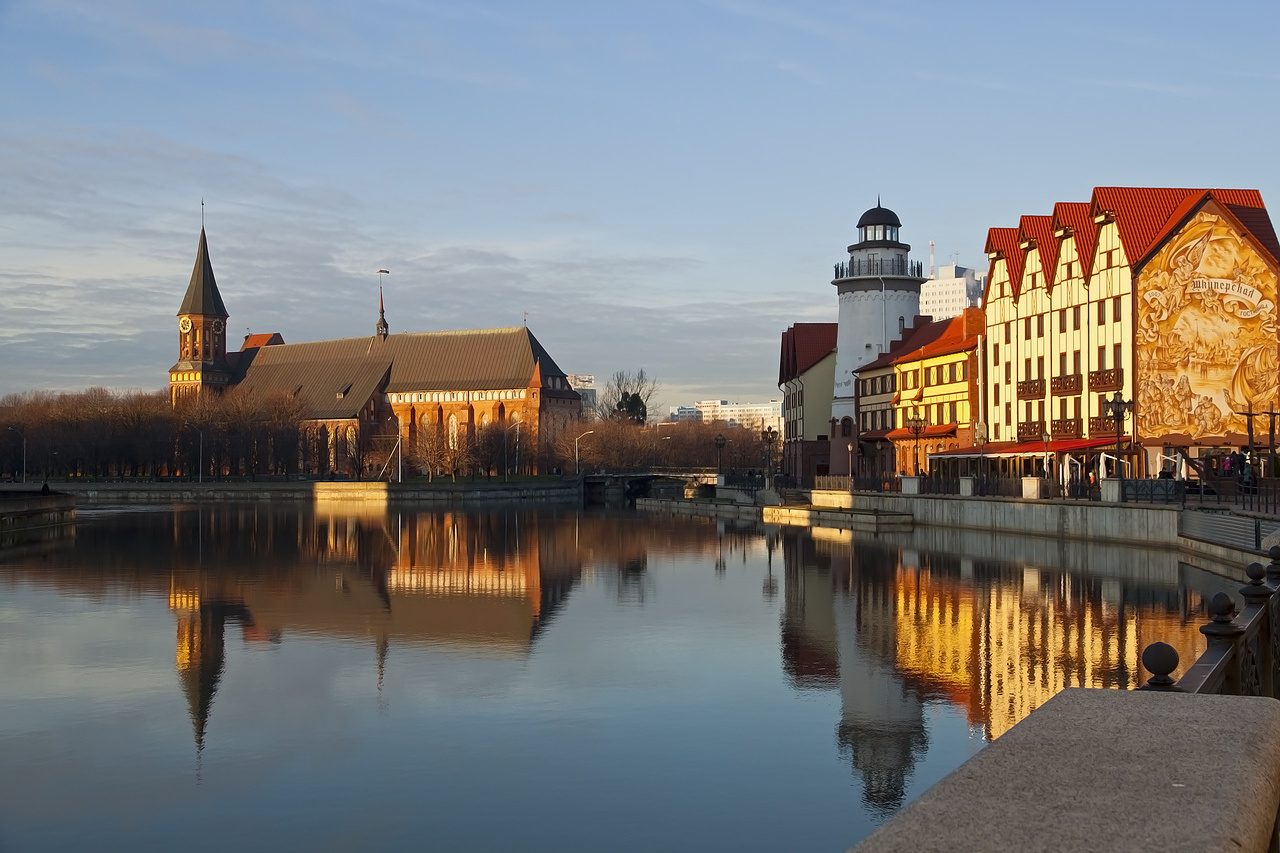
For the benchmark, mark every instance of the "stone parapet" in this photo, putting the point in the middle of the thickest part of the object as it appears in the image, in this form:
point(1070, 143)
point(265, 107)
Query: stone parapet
point(1108, 770)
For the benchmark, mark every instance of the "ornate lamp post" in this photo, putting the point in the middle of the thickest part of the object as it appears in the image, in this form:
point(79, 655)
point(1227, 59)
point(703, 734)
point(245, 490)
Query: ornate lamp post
point(24, 451)
point(770, 437)
point(850, 446)
point(1117, 409)
point(575, 448)
point(915, 425)
point(719, 442)
point(1044, 436)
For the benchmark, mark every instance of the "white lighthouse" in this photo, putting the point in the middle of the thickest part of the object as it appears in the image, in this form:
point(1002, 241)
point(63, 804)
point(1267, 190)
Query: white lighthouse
point(879, 291)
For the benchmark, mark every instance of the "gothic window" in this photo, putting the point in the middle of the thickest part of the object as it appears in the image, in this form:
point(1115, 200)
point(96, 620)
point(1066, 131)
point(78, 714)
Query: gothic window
point(453, 432)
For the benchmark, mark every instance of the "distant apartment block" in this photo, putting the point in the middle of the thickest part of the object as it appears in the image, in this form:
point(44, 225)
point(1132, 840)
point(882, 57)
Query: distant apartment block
point(954, 289)
point(750, 415)
point(585, 385)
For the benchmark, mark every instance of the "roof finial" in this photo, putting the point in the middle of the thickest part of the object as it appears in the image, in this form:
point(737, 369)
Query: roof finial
point(878, 204)
point(201, 213)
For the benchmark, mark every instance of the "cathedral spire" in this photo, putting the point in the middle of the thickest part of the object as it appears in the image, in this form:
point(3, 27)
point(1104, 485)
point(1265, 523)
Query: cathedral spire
point(382, 317)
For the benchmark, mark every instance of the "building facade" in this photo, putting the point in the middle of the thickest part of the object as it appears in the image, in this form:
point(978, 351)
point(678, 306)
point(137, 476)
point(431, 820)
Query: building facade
point(1165, 297)
point(949, 292)
point(806, 371)
point(360, 397)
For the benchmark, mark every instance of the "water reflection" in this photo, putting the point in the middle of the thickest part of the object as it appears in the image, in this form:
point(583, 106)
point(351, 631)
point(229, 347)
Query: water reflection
point(893, 627)
point(714, 645)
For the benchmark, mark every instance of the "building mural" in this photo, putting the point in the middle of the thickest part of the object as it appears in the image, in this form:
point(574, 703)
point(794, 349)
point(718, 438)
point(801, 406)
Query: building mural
point(1206, 332)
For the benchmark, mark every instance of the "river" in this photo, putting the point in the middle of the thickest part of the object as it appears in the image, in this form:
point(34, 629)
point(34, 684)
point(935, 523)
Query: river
point(209, 678)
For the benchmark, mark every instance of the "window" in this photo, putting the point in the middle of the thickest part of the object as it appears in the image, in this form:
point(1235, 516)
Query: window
point(1026, 328)
point(1075, 317)
point(1102, 358)
point(1062, 408)
point(1115, 308)
point(995, 395)
point(1008, 373)
point(1007, 332)
point(1075, 360)
point(995, 354)
point(1039, 325)
point(1062, 364)
point(1102, 312)
point(846, 428)
point(1040, 410)
point(1039, 367)
point(902, 324)
point(1026, 368)
point(1062, 319)
point(1116, 352)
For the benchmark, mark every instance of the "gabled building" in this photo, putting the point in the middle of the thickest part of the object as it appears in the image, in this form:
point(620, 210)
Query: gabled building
point(806, 371)
point(1164, 296)
point(451, 383)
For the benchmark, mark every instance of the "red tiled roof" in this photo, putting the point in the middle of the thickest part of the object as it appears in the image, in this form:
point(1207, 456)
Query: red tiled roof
point(265, 339)
point(1005, 242)
point(957, 334)
point(1245, 206)
point(803, 346)
point(1077, 216)
point(1040, 229)
point(1143, 214)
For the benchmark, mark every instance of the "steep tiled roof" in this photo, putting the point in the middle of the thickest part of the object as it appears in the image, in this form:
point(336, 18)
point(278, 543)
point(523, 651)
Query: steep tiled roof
point(803, 346)
point(335, 378)
point(1005, 242)
point(956, 334)
point(1143, 213)
point(1245, 206)
point(265, 339)
point(1078, 216)
point(1040, 229)
point(202, 295)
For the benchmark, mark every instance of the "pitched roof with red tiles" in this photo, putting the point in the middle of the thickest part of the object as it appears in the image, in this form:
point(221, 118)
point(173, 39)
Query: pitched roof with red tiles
point(1078, 217)
point(265, 339)
point(1004, 241)
point(1143, 214)
point(956, 334)
point(1040, 230)
point(803, 346)
point(1244, 206)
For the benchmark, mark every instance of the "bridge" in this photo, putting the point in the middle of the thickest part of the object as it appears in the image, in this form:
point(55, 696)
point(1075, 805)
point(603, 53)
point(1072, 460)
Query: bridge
point(607, 487)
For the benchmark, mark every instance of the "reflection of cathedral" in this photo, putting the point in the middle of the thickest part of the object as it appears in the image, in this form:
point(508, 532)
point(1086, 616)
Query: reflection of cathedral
point(892, 630)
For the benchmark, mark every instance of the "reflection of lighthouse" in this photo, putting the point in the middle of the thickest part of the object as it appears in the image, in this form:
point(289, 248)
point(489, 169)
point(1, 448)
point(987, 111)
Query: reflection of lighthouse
point(839, 629)
point(881, 717)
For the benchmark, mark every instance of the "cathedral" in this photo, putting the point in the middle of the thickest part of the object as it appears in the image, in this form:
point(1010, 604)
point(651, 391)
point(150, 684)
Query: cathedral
point(446, 384)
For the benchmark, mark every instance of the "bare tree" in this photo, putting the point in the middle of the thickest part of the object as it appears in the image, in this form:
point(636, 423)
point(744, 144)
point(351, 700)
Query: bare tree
point(630, 390)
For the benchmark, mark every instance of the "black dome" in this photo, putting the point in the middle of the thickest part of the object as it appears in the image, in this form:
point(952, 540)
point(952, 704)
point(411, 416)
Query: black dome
point(879, 216)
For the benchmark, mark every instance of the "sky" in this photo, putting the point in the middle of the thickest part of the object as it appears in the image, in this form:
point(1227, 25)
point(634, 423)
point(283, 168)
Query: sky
point(659, 185)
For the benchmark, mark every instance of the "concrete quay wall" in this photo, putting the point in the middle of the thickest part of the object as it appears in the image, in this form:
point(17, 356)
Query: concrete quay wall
point(1111, 522)
point(23, 511)
point(1098, 769)
point(339, 493)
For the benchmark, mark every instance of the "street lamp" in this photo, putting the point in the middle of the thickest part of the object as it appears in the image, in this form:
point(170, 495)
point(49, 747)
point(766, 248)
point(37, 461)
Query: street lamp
point(1044, 436)
point(849, 446)
point(1117, 409)
point(575, 448)
point(915, 425)
point(769, 436)
point(200, 471)
point(24, 452)
point(719, 442)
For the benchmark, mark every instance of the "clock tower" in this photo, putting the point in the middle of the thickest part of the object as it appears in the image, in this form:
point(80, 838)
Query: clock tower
point(202, 336)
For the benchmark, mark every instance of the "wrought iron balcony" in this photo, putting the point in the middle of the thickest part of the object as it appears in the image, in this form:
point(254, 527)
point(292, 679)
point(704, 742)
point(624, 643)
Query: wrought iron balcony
point(1062, 386)
point(1065, 427)
point(863, 267)
point(1031, 389)
point(1106, 380)
point(1030, 430)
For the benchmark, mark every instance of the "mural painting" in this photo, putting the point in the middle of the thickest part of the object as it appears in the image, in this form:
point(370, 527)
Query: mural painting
point(1206, 338)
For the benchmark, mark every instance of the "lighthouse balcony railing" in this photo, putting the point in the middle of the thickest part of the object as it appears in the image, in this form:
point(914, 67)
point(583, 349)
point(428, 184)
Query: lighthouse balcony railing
point(866, 267)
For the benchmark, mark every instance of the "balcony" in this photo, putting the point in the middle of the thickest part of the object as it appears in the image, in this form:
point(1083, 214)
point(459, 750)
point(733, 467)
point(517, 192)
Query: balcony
point(1031, 389)
point(1065, 386)
point(863, 267)
point(1031, 431)
point(1061, 428)
point(1106, 380)
point(1103, 428)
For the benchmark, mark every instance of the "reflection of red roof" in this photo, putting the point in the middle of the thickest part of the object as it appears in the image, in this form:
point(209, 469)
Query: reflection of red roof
point(803, 346)
point(1004, 242)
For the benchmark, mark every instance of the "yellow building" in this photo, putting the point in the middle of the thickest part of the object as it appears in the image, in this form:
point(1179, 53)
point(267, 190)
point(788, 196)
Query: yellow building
point(1164, 296)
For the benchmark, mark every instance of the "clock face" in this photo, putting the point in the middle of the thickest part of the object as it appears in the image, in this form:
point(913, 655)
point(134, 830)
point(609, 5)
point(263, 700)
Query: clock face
point(217, 327)
point(185, 324)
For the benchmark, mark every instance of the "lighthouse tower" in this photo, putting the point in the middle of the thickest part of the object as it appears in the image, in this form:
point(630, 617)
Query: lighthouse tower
point(879, 291)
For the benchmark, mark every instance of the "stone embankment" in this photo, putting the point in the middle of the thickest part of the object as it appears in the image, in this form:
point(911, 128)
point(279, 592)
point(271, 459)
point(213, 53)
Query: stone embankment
point(363, 494)
point(27, 515)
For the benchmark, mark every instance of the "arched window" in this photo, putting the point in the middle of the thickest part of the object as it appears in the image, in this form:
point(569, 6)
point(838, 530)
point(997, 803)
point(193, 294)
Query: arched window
point(846, 427)
point(453, 432)
point(902, 324)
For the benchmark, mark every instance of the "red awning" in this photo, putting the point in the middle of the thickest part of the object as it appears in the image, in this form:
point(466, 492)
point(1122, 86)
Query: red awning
point(931, 431)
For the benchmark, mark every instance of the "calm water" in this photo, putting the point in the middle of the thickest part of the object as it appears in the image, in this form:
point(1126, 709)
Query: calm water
point(266, 678)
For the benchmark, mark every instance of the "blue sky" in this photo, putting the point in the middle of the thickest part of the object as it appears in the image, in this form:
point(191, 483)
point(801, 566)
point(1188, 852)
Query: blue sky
point(658, 184)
